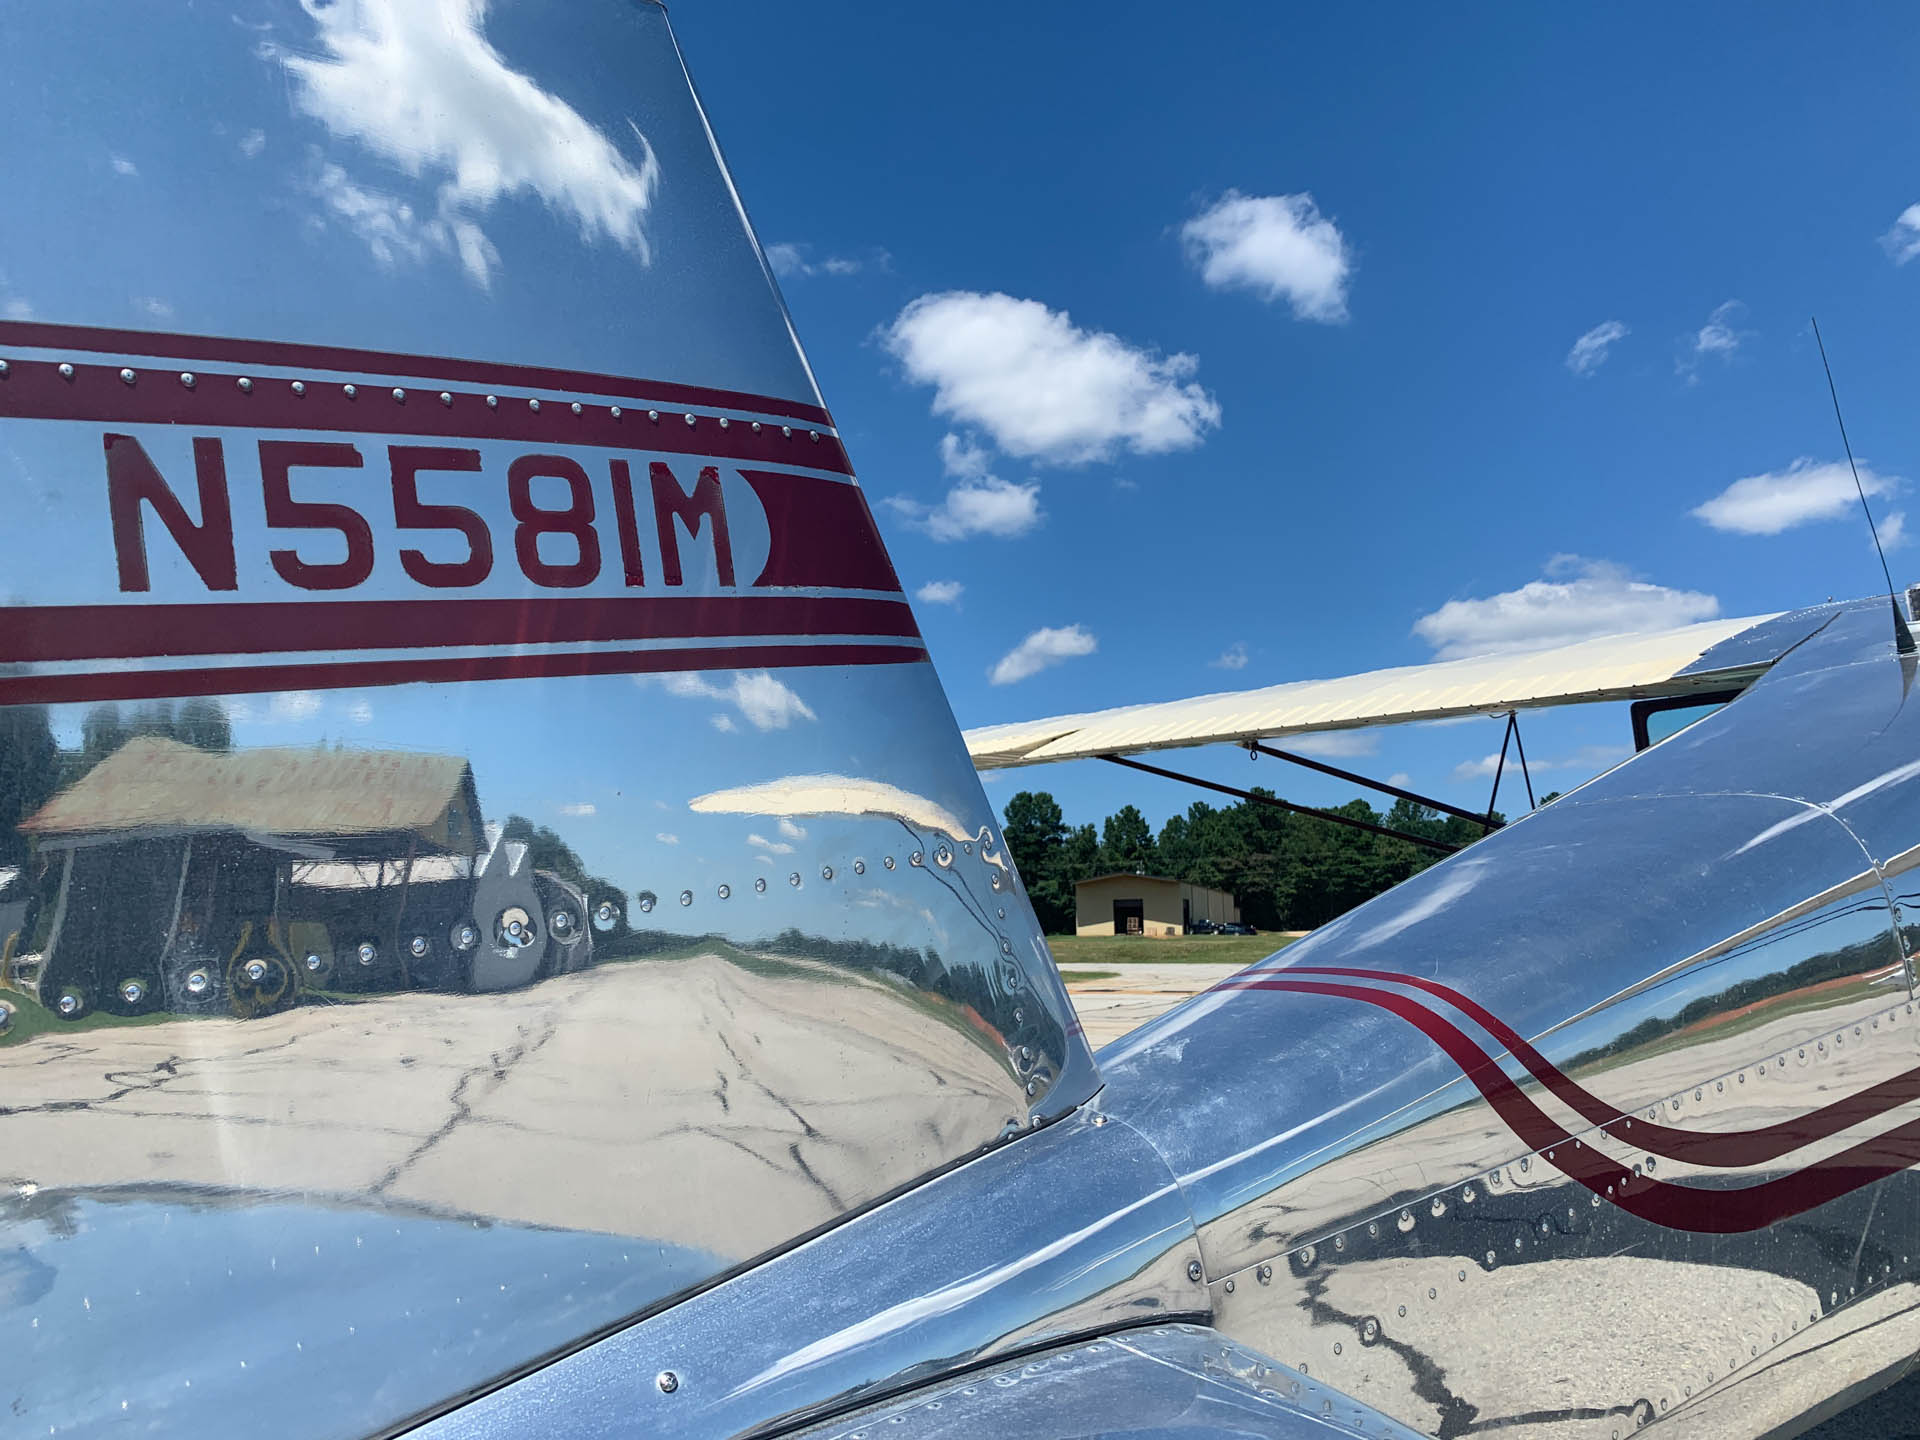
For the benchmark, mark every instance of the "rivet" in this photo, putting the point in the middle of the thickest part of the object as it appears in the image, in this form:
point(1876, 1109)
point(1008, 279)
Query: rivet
point(667, 1381)
point(1264, 1274)
point(1098, 1121)
point(446, 397)
point(1526, 1163)
point(1339, 1242)
point(1307, 1255)
point(4, 370)
point(493, 402)
point(187, 379)
point(654, 415)
point(726, 892)
point(399, 395)
point(1193, 1270)
point(723, 422)
point(1336, 1347)
point(787, 430)
point(616, 412)
point(691, 419)
point(1403, 1312)
point(66, 371)
point(1432, 1294)
point(756, 427)
point(1033, 1087)
point(760, 885)
point(1373, 1229)
point(1229, 1287)
point(814, 435)
point(246, 385)
point(575, 407)
point(128, 376)
point(351, 390)
point(534, 405)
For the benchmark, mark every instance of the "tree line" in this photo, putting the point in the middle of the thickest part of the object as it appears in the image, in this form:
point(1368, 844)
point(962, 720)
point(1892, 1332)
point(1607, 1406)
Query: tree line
point(1288, 871)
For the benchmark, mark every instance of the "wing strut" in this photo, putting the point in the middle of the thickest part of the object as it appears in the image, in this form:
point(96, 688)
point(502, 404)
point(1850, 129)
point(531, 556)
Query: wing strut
point(1486, 822)
point(1423, 841)
point(1511, 737)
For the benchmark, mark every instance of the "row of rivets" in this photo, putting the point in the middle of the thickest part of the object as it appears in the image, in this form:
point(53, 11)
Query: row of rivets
point(245, 385)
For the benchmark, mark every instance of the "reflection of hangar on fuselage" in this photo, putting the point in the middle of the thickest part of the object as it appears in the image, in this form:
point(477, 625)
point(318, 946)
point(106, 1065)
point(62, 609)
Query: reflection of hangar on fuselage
point(200, 881)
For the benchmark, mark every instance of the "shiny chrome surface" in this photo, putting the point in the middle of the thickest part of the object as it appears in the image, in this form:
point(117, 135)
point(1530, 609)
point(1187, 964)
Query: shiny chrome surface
point(1074, 1231)
point(1604, 1122)
point(1164, 1381)
point(455, 895)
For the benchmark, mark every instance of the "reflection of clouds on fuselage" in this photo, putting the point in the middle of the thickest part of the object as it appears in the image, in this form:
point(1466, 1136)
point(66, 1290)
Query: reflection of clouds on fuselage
point(425, 90)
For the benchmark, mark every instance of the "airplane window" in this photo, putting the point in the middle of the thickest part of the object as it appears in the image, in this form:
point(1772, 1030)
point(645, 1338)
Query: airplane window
point(1656, 720)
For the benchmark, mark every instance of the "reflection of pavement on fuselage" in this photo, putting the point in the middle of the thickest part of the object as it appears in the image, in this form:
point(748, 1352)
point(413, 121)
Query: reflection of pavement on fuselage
point(1134, 994)
point(690, 1100)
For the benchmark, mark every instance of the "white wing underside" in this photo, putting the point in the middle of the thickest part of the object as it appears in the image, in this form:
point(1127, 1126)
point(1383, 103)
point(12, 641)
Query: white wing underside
point(1614, 667)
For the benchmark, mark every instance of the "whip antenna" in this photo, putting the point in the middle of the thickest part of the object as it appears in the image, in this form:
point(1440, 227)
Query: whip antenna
point(1903, 638)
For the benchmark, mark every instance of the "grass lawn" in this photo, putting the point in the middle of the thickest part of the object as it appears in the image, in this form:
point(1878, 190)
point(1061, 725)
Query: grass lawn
point(1106, 951)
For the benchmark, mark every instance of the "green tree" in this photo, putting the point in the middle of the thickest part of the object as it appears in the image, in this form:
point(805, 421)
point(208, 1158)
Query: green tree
point(29, 762)
point(1126, 842)
point(1037, 835)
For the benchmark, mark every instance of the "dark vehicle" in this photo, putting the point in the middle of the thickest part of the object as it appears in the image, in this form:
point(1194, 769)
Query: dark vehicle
point(1234, 927)
point(1203, 926)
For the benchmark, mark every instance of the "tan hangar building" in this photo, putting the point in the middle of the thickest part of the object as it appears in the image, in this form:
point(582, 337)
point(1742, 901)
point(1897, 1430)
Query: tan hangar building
point(1126, 904)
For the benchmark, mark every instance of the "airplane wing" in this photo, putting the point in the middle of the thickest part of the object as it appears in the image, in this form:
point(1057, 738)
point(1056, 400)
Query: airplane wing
point(1716, 655)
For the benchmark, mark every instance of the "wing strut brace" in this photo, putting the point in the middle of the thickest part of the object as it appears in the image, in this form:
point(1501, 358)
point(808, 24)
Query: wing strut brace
point(1486, 822)
point(1511, 737)
point(1421, 840)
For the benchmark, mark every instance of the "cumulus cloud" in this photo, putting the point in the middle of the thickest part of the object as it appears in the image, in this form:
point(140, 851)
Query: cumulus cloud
point(776, 847)
point(1576, 600)
point(123, 166)
point(1902, 242)
point(1234, 657)
point(1893, 530)
point(1043, 388)
point(1717, 337)
point(421, 87)
point(940, 592)
point(792, 831)
point(1589, 352)
point(1278, 246)
point(581, 808)
point(990, 506)
point(1042, 650)
point(963, 458)
point(723, 722)
point(1806, 491)
point(764, 702)
point(666, 838)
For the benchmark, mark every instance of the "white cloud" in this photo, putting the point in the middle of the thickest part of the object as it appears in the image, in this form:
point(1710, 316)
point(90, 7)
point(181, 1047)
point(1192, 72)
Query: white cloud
point(17, 309)
point(584, 807)
point(1902, 242)
point(665, 839)
point(420, 86)
point(776, 847)
point(1040, 651)
point(252, 143)
point(1716, 337)
point(293, 705)
point(1043, 388)
point(1234, 657)
point(790, 261)
point(1400, 779)
point(152, 305)
point(1806, 491)
point(1332, 744)
point(1893, 530)
point(360, 712)
point(990, 506)
point(1278, 246)
point(1590, 758)
point(1577, 600)
point(723, 722)
point(394, 232)
point(766, 703)
point(1589, 352)
point(940, 592)
point(790, 830)
point(123, 166)
point(963, 459)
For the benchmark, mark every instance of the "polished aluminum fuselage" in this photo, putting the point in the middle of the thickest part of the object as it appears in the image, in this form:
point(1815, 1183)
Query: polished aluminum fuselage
point(515, 548)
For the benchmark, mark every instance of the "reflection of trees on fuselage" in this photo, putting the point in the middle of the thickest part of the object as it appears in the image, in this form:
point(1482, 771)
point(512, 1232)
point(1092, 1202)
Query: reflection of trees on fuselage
point(1855, 961)
point(200, 723)
point(547, 851)
point(1288, 872)
point(29, 772)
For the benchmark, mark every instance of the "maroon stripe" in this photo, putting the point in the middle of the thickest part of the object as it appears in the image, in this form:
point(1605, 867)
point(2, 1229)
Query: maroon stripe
point(48, 633)
point(487, 374)
point(35, 390)
point(260, 679)
point(823, 534)
point(1677, 1207)
point(1727, 1149)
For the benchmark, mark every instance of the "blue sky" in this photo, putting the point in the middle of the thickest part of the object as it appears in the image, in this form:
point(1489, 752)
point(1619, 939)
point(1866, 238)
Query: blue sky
point(1383, 410)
